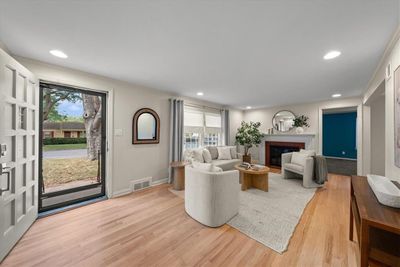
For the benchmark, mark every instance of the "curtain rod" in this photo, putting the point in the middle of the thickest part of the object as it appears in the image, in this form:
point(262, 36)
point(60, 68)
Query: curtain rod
point(200, 106)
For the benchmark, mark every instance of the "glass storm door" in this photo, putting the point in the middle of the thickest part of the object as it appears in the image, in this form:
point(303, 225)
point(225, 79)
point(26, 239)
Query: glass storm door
point(72, 149)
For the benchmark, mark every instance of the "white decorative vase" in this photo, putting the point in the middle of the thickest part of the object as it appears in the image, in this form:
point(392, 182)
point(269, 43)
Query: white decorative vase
point(299, 130)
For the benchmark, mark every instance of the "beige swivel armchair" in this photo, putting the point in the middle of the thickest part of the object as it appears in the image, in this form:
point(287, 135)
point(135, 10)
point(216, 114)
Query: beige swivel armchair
point(300, 164)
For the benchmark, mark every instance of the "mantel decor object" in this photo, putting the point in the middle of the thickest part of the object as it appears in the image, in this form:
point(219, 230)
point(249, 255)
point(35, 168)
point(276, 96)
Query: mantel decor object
point(146, 127)
point(300, 122)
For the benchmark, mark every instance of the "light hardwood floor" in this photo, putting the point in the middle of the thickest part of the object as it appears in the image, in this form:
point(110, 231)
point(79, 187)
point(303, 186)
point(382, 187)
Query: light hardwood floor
point(150, 228)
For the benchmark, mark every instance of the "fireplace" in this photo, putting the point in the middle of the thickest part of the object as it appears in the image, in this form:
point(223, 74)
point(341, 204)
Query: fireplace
point(274, 151)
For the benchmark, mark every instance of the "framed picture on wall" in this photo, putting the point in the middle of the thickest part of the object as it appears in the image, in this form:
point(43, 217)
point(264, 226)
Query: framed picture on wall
point(397, 117)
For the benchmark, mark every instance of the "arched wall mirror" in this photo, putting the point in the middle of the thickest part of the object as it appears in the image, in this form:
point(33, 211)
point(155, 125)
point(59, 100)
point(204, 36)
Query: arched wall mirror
point(283, 121)
point(146, 127)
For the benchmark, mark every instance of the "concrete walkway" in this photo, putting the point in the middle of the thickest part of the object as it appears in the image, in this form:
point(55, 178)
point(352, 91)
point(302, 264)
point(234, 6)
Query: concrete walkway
point(65, 154)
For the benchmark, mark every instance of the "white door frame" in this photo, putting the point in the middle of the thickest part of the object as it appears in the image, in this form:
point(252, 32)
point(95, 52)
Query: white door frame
point(359, 135)
point(109, 129)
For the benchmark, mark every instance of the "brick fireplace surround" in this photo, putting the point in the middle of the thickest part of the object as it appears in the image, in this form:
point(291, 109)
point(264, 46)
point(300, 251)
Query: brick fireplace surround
point(290, 146)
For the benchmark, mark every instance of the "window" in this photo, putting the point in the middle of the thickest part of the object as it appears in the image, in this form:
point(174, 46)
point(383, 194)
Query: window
point(192, 140)
point(202, 127)
point(47, 134)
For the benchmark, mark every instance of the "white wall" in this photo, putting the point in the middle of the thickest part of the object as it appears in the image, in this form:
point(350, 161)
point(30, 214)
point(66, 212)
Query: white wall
point(235, 117)
point(130, 162)
point(4, 47)
point(378, 136)
point(392, 56)
point(312, 110)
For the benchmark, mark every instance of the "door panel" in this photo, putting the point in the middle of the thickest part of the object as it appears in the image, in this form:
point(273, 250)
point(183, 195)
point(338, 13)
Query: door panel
point(18, 132)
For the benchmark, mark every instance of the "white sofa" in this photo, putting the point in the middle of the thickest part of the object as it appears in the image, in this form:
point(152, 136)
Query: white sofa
point(211, 198)
point(302, 164)
point(224, 164)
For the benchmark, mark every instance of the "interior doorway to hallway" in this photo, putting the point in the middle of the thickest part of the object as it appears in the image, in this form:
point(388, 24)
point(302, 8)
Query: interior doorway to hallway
point(339, 140)
point(377, 125)
point(72, 150)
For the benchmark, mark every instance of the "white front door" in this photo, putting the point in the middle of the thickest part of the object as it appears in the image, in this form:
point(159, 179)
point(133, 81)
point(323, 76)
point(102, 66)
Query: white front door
point(19, 102)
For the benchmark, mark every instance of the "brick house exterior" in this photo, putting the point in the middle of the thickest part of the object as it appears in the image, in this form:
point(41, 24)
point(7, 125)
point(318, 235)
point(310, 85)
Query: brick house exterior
point(64, 130)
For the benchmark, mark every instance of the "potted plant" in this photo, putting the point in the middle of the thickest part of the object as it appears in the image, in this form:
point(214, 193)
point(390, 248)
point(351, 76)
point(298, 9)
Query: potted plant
point(299, 122)
point(247, 136)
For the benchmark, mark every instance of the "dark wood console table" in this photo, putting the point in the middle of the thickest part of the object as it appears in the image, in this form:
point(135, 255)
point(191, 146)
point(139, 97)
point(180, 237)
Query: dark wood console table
point(377, 226)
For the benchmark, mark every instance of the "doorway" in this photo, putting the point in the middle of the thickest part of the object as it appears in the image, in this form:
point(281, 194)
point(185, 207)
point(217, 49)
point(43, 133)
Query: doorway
point(376, 104)
point(339, 140)
point(72, 150)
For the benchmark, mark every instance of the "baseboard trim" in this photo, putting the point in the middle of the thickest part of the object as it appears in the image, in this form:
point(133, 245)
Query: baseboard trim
point(158, 182)
point(127, 191)
point(122, 192)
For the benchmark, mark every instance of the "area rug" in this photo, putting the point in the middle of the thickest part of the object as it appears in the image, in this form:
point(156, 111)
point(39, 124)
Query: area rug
point(271, 217)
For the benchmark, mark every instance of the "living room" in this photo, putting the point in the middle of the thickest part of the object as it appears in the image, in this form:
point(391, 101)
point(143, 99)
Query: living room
point(200, 133)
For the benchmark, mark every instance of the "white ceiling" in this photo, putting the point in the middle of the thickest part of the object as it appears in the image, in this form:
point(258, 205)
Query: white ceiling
point(239, 53)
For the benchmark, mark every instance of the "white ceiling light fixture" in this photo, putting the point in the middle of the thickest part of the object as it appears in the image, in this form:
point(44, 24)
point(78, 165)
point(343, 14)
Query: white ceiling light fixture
point(248, 107)
point(200, 93)
point(336, 95)
point(332, 54)
point(58, 53)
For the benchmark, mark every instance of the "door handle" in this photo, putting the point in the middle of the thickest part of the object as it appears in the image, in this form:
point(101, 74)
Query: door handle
point(7, 172)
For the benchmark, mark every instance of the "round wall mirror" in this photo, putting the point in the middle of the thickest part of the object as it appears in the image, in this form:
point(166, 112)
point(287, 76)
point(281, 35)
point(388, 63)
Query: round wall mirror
point(283, 121)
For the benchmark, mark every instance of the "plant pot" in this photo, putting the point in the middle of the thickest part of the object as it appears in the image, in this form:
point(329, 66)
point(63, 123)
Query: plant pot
point(247, 158)
point(299, 130)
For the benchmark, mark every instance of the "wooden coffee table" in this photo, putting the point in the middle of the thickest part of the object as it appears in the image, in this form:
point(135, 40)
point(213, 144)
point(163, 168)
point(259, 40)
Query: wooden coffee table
point(178, 174)
point(253, 178)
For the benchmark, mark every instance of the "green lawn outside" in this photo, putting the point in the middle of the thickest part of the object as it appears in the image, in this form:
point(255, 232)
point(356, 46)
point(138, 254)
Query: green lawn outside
point(64, 147)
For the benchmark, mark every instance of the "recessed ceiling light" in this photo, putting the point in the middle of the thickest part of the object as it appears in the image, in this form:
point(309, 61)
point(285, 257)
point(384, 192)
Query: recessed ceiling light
point(332, 54)
point(248, 107)
point(58, 53)
point(200, 93)
point(336, 95)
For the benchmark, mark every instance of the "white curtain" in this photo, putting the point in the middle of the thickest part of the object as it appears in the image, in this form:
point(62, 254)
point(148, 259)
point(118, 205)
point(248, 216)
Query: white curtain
point(176, 132)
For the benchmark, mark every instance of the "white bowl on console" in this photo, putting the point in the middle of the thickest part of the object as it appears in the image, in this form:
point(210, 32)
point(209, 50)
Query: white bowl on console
point(385, 190)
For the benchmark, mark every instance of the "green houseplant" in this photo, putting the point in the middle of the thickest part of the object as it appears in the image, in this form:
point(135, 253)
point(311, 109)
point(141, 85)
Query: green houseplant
point(299, 122)
point(248, 135)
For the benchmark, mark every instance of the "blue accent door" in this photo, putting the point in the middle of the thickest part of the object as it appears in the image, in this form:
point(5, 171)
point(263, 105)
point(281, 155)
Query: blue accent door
point(339, 135)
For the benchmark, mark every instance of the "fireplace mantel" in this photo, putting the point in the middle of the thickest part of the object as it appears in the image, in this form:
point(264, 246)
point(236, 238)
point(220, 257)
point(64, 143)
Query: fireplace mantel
point(309, 139)
point(290, 134)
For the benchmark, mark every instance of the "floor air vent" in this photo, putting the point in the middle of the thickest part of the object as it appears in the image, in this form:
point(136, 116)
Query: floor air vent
point(141, 184)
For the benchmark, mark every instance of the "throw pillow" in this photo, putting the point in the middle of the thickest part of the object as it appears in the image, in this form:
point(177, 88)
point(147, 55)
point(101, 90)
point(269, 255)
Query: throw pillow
point(310, 153)
point(216, 169)
point(188, 155)
point(208, 167)
point(207, 156)
point(234, 154)
point(299, 158)
point(213, 151)
point(198, 155)
point(202, 166)
point(224, 152)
